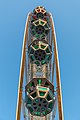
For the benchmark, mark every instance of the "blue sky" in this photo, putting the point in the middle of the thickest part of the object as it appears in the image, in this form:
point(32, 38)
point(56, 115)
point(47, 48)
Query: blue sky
point(66, 14)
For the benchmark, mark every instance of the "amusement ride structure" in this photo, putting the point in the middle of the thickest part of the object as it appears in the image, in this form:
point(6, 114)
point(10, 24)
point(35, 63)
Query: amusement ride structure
point(39, 88)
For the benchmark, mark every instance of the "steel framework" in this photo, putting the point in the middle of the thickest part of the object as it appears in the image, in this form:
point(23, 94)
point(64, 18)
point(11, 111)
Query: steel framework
point(39, 62)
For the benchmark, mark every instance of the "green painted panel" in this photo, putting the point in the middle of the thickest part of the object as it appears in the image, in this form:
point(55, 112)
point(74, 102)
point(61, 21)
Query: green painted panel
point(41, 88)
point(43, 62)
point(36, 46)
point(47, 57)
point(37, 23)
point(34, 95)
point(29, 90)
point(47, 50)
point(37, 62)
point(37, 113)
point(34, 32)
point(38, 109)
point(29, 101)
point(48, 97)
point(45, 112)
point(46, 26)
point(39, 81)
point(31, 110)
point(31, 84)
point(31, 51)
point(43, 109)
point(50, 105)
point(42, 93)
point(43, 35)
point(38, 36)
point(32, 58)
point(36, 100)
point(41, 22)
point(42, 46)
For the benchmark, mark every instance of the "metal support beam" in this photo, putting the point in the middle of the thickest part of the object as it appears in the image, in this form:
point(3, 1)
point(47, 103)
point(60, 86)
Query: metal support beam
point(59, 92)
point(19, 100)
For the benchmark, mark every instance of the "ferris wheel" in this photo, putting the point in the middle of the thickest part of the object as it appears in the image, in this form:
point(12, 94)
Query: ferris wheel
point(39, 90)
